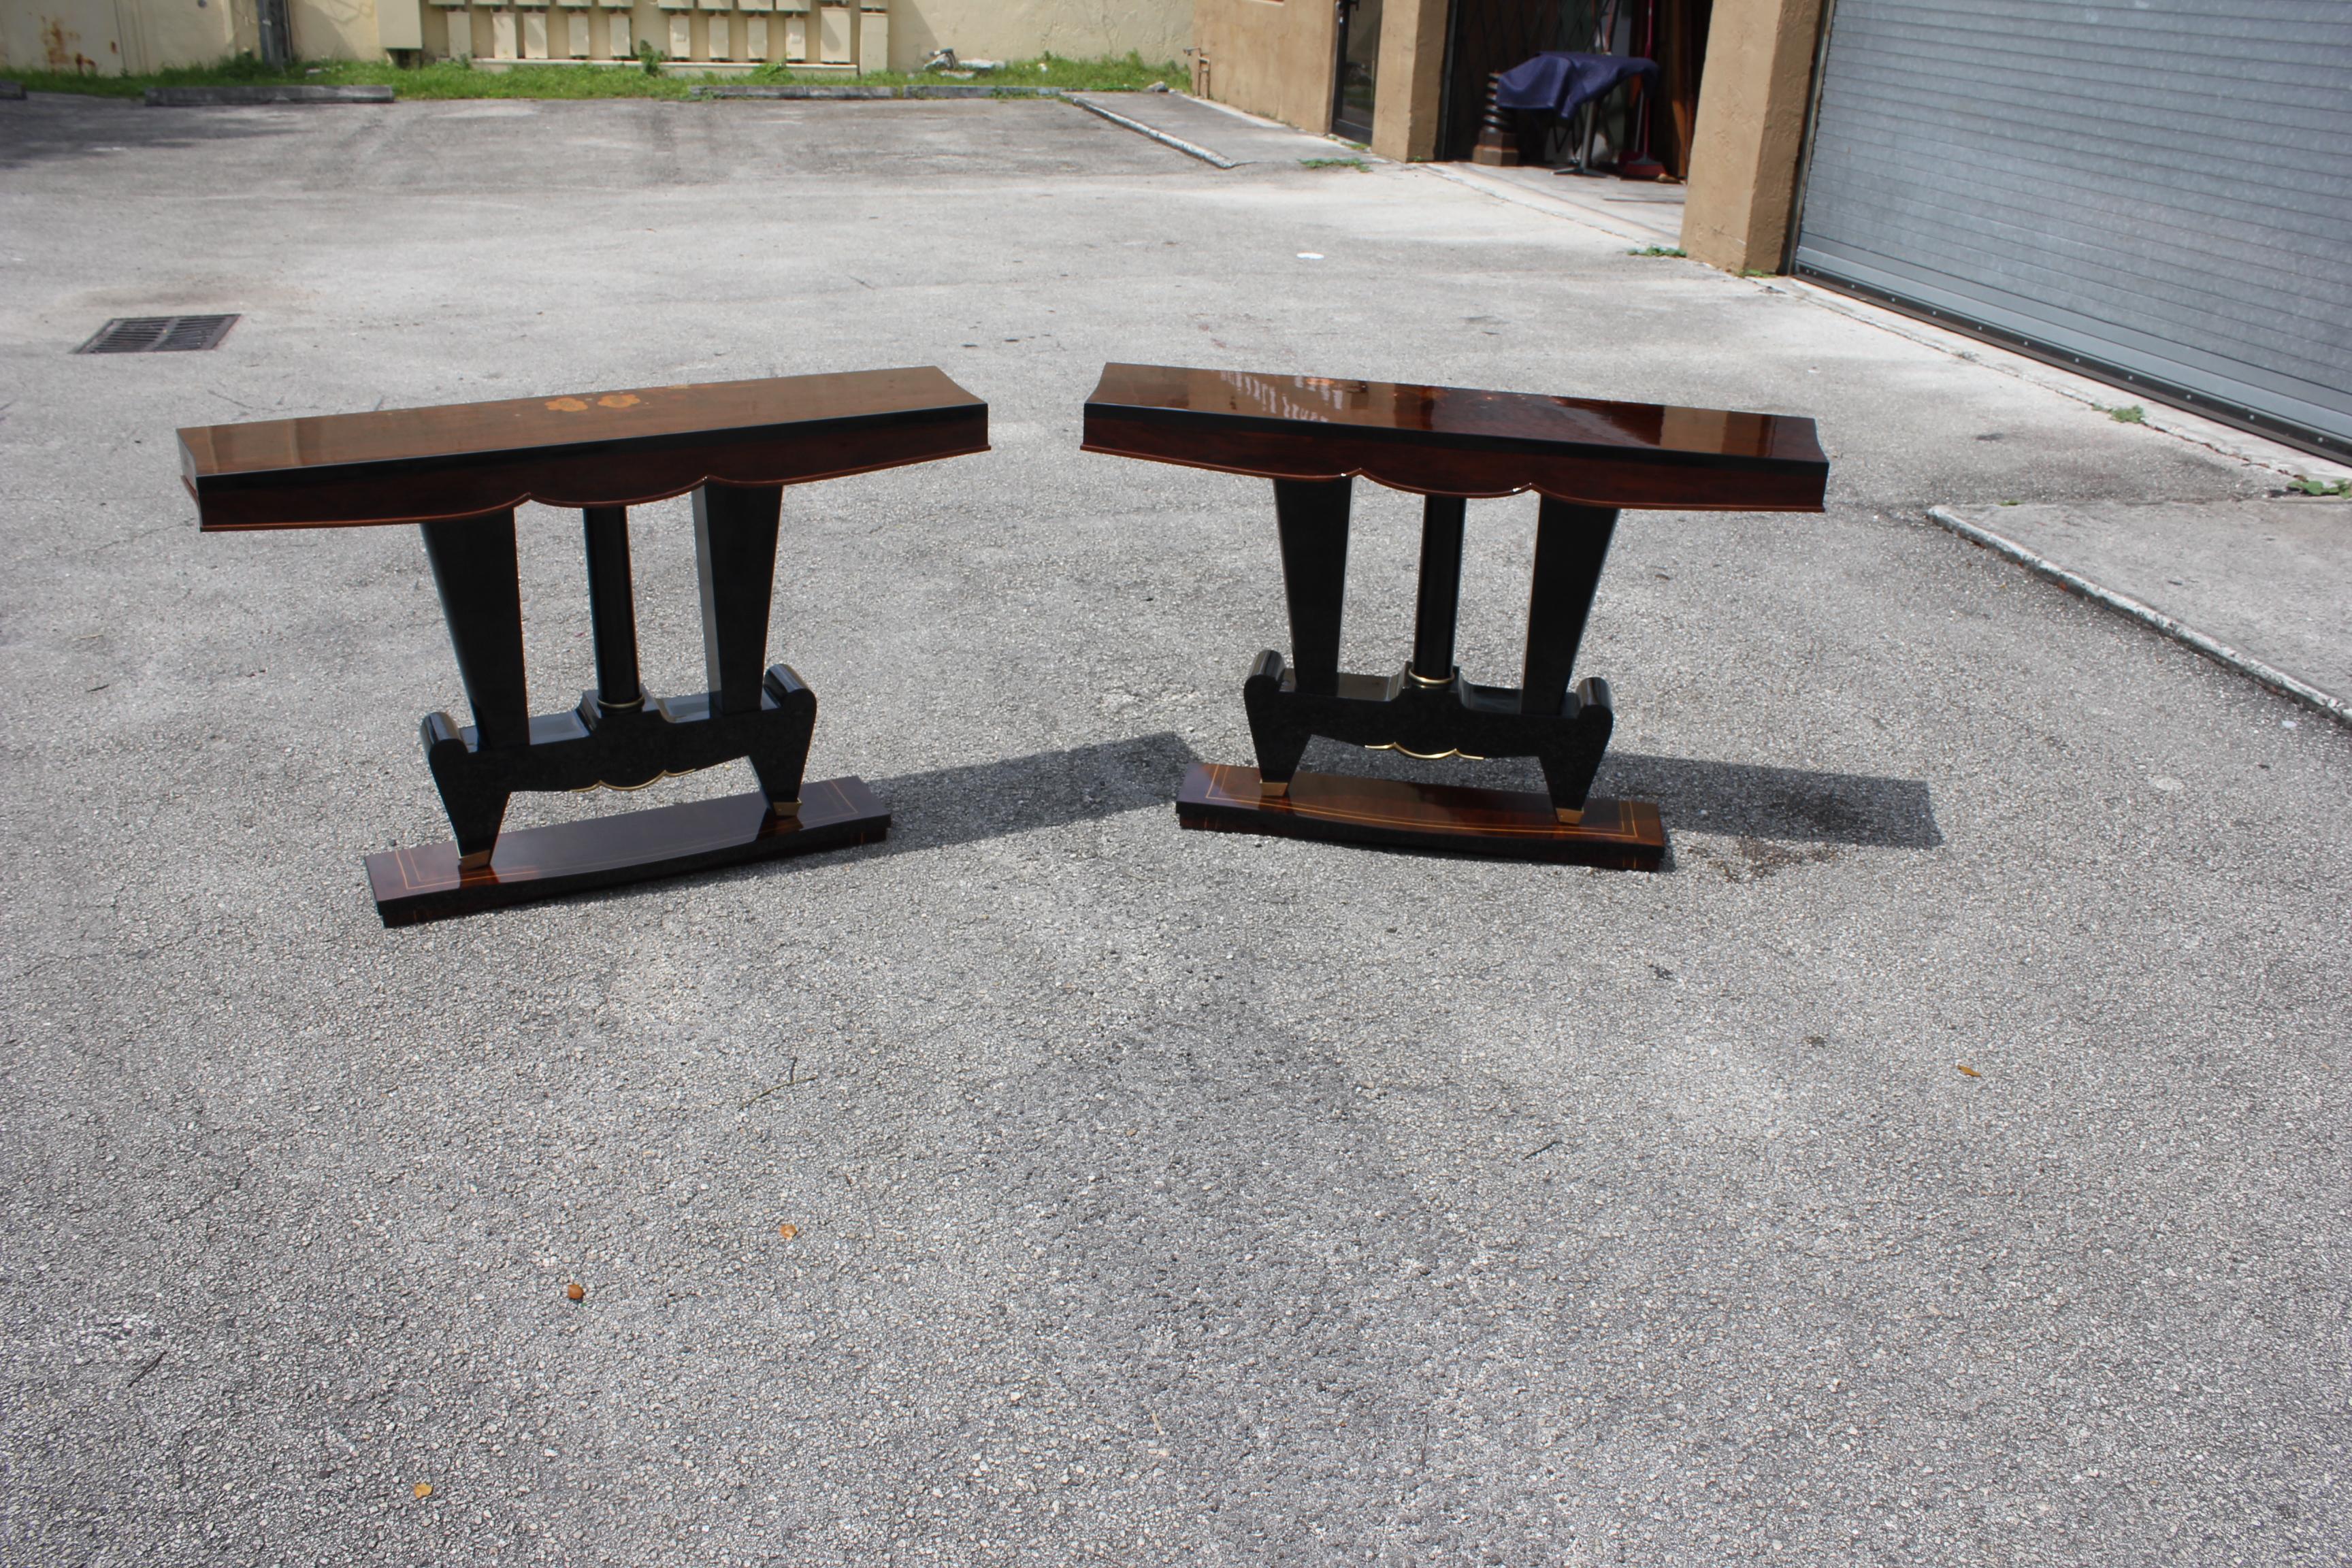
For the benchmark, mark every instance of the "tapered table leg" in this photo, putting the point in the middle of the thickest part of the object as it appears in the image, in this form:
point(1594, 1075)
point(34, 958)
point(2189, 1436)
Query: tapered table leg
point(474, 566)
point(1571, 547)
point(1312, 516)
point(735, 557)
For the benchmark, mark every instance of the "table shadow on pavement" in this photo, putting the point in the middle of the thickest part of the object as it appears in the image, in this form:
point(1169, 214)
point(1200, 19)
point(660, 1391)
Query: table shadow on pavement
point(1794, 805)
point(946, 806)
point(1737, 799)
point(1044, 789)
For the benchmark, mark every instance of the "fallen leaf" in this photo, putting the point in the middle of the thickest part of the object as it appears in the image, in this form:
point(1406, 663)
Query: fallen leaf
point(1968, 1069)
point(788, 1230)
point(567, 406)
point(425, 1489)
point(576, 1291)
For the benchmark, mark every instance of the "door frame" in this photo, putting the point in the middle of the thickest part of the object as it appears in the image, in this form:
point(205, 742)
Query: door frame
point(1344, 12)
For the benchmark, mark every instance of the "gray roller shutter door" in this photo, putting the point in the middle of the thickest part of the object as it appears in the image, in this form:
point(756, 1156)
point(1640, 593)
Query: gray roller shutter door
point(2163, 189)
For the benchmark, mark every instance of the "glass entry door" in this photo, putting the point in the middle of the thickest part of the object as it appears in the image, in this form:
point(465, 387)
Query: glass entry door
point(1359, 59)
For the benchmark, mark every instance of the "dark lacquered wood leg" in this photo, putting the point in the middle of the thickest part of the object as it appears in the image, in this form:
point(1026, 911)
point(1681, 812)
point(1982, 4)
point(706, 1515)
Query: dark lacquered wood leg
point(735, 557)
point(779, 753)
point(1276, 731)
point(1571, 547)
point(1439, 598)
point(474, 566)
point(1312, 516)
point(613, 609)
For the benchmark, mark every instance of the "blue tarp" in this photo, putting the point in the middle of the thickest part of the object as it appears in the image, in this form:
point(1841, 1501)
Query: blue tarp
point(1561, 83)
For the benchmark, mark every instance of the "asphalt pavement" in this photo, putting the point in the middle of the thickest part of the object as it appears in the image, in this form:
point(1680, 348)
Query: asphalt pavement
point(1944, 1160)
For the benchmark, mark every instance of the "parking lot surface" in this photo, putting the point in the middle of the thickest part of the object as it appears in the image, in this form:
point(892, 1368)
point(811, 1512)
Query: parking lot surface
point(1944, 1160)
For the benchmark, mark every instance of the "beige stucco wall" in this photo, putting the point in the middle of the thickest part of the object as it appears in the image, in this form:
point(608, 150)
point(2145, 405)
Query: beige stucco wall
point(106, 38)
point(1158, 30)
point(1272, 58)
point(335, 29)
point(1752, 127)
point(1411, 76)
point(1277, 58)
point(113, 36)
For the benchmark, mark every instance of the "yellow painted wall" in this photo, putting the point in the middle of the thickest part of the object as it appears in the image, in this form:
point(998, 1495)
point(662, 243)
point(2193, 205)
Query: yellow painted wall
point(1409, 82)
point(1752, 127)
point(1014, 29)
point(335, 29)
point(114, 37)
point(108, 37)
point(1272, 58)
point(59, 36)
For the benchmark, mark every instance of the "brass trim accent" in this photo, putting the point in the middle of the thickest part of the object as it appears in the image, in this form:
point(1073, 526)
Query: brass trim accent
point(632, 789)
point(1427, 756)
point(635, 705)
point(1419, 680)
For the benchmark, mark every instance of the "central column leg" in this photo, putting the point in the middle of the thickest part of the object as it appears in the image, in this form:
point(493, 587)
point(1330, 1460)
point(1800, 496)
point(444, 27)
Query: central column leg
point(473, 567)
point(611, 609)
point(1440, 599)
point(1571, 546)
point(1312, 516)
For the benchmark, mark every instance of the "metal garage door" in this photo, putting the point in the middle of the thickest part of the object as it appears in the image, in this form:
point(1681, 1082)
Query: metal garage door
point(2158, 189)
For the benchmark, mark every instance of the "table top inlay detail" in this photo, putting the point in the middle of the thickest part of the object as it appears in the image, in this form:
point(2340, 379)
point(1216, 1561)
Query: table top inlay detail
point(589, 449)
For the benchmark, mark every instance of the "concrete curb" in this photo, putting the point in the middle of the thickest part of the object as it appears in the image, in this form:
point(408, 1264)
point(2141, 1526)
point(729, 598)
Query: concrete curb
point(803, 91)
point(1191, 150)
point(12, 90)
point(794, 91)
point(1504, 191)
point(218, 97)
point(2181, 425)
point(2189, 636)
point(977, 90)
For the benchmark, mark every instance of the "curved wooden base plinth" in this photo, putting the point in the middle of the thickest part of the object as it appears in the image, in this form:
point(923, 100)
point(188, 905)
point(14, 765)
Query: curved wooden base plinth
point(425, 884)
point(1513, 824)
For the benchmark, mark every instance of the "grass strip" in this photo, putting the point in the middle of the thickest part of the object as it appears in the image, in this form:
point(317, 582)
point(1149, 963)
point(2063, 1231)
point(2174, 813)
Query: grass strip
point(457, 79)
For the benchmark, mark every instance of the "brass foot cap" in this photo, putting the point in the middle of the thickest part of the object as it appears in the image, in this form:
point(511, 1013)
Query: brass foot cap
point(1568, 818)
point(478, 861)
point(1273, 789)
point(788, 810)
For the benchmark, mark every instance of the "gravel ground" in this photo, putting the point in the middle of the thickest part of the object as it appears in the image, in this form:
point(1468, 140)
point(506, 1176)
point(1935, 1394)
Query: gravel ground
point(1943, 1162)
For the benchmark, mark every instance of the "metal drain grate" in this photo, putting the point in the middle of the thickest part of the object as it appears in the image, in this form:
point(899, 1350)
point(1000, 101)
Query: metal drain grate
point(158, 334)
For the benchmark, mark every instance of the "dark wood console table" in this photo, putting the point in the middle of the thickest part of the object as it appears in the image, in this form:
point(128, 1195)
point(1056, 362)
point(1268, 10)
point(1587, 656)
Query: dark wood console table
point(1587, 460)
point(458, 472)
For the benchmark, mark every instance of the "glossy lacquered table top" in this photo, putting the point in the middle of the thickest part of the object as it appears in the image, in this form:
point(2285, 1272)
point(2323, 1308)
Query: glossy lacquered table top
point(1450, 440)
point(588, 448)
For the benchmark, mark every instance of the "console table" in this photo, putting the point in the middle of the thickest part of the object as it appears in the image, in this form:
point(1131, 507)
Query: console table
point(458, 472)
point(1586, 459)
